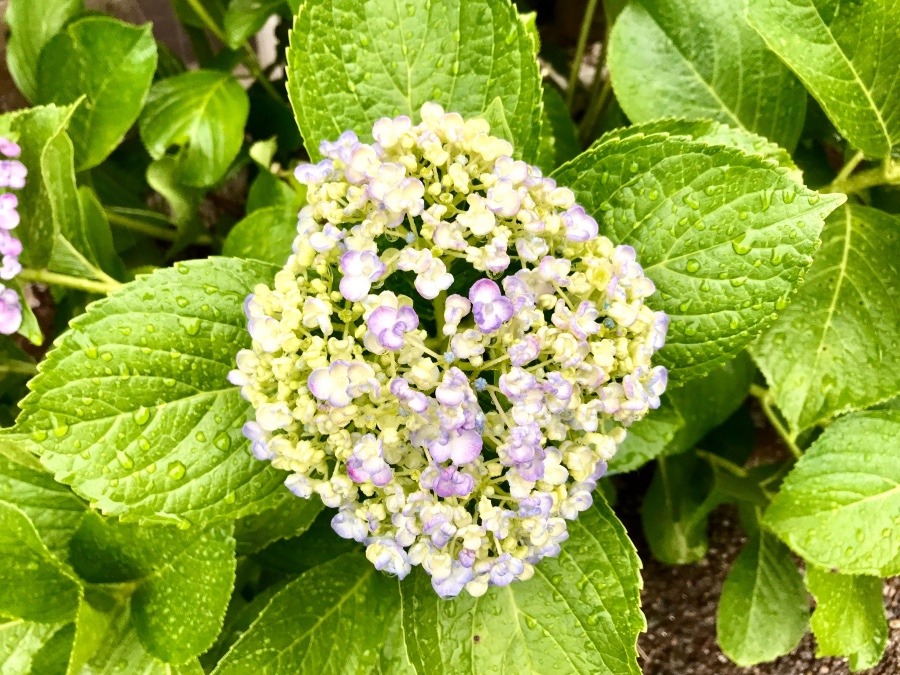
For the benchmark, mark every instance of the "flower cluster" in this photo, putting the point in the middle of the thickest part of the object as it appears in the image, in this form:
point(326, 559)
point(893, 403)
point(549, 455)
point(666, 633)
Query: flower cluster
point(451, 353)
point(12, 175)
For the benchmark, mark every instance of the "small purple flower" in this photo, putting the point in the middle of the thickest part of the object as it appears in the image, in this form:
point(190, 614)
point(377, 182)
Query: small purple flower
point(10, 311)
point(581, 323)
point(12, 174)
point(452, 585)
point(10, 248)
point(523, 444)
point(386, 554)
point(360, 269)
point(366, 463)
point(9, 148)
point(9, 216)
point(348, 526)
point(454, 388)
point(341, 382)
point(314, 174)
point(539, 504)
point(459, 447)
point(506, 570)
point(453, 483)
point(390, 325)
point(555, 270)
point(580, 227)
point(533, 470)
point(524, 351)
point(489, 307)
point(414, 400)
point(517, 383)
point(258, 441)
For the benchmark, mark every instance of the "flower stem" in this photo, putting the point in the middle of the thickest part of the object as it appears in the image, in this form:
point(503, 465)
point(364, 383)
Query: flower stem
point(166, 232)
point(579, 51)
point(888, 173)
point(54, 279)
point(764, 396)
point(18, 368)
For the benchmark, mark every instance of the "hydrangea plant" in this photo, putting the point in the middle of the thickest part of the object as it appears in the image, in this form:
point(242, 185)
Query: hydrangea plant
point(351, 352)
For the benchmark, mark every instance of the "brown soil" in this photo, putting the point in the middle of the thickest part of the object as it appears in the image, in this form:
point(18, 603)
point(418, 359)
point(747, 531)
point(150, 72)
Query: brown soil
point(680, 605)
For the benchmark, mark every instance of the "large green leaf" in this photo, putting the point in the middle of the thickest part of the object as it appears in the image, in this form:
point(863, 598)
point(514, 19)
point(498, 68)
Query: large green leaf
point(203, 112)
point(266, 234)
point(132, 406)
point(332, 619)
point(579, 614)
point(844, 51)
point(837, 346)
point(244, 18)
point(34, 585)
point(109, 62)
point(183, 579)
point(700, 59)
point(763, 612)
point(724, 235)
point(849, 617)
point(351, 62)
point(33, 23)
point(686, 414)
point(20, 641)
point(289, 516)
point(559, 136)
point(52, 508)
point(839, 506)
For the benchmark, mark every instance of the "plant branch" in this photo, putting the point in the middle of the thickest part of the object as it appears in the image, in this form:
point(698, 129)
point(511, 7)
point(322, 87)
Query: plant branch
point(888, 173)
point(579, 51)
point(67, 281)
point(764, 396)
point(18, 368)
point(164, 232)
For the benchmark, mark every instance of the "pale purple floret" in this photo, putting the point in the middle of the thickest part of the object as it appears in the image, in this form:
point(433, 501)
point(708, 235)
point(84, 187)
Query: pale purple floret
point(452, 585)
point(257, 437)
point(366, 463)
point(489, 307)
point(533, 470)
point(391, 558)
point(9, 216)
point(10, 311)
point(454, 388)
point(10, 249)
point(342, 148)
point(9, 148)
point(340, 382)
point(360, 270)
point(12, 173)
point(580, 227)
point(524, 351)
point(453, 483)
point(314, 174)
point(539, 504)
point(506, 569)
point(413, 400)
point(390, 325)
point(523, 443)
point(348, 526)
point(460, 447)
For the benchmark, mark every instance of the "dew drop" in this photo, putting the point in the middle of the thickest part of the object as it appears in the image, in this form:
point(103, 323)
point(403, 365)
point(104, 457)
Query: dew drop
point(693, 265)
point(143, 443)
point(190, 325)
point(141, 415)
point(200, 436)
point(781, 302)
point(222, 441)
point(176, 471)
point(181, 301)
point(741, 245)
point(124, 460)
point(39, 435)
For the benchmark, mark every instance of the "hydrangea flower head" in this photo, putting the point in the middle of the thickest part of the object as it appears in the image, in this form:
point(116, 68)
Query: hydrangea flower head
point(12, 175)
point(451, 354)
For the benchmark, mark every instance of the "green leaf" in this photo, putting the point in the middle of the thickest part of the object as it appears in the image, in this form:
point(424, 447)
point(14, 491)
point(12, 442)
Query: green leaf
point(244, 18)
point(763, 611)
point(697, 59)
point(20, 641)
point(52, 508)
point(49, 197)
point(184, 580)
point(338, 616)
point(184, 202)
point(351, 62)
point(34, 585)
point(109, 62)
point(839, 49)
point(33, 23)
point(686, 414)
point(580, 613)
point(266, 234)
point(269, 190)
point(289, 517)
point(849, 617)
point(316, 546)
point(676, 509)
point(838, 507)
point(559, 136)
point(202, 112)
point(724, 235)
point(132, 406)
point(116, 648)
point(836, 348)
